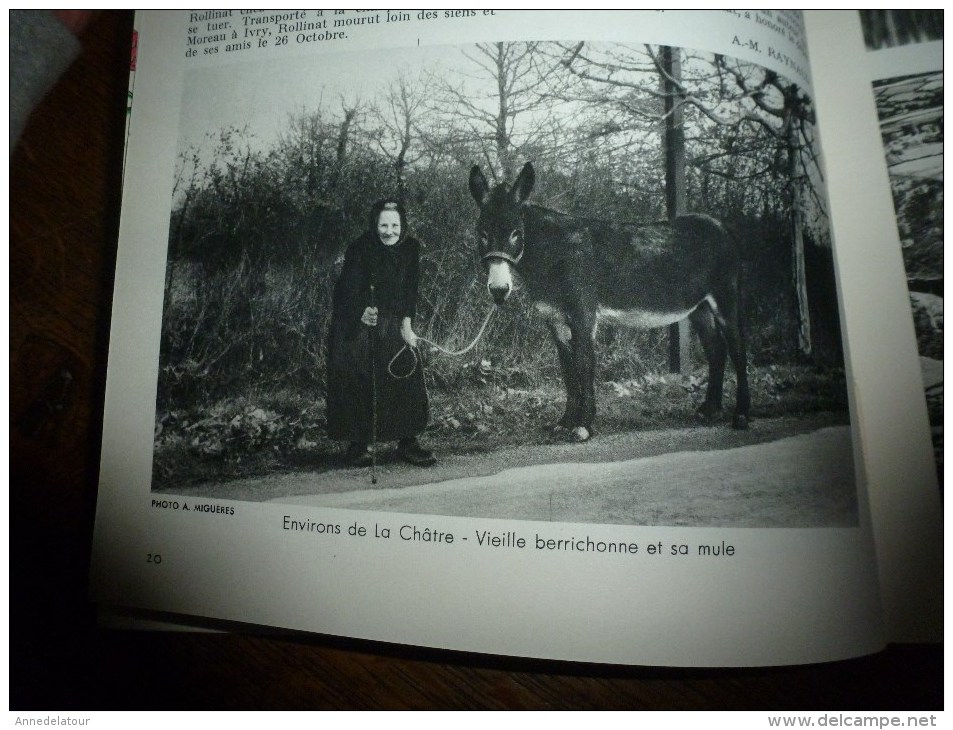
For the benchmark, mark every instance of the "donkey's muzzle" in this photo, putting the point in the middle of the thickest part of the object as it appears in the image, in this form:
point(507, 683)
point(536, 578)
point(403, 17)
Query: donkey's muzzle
point(499, 279)
point(500, 294)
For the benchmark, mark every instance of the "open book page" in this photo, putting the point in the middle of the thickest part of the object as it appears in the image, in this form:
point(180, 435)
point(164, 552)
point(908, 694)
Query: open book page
point(638, 531)
point(882, 345)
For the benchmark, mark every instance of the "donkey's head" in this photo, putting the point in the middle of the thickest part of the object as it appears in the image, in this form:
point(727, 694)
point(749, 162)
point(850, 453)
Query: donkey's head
point(500, 227)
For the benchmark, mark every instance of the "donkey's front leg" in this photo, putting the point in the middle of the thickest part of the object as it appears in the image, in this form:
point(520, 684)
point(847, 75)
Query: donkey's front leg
point(573, 335)
point(584, 351)
point(561, 336)
point(577, 358)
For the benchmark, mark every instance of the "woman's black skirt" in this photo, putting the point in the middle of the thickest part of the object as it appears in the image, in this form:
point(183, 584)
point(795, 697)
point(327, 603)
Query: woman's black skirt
point(401, 402)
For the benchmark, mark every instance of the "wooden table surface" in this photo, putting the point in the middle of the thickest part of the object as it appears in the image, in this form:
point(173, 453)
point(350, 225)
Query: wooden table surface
point(64, 201)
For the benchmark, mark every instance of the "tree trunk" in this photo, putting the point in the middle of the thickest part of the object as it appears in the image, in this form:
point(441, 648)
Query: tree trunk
point(679, 352)
point(501, 135)
point(797, 253)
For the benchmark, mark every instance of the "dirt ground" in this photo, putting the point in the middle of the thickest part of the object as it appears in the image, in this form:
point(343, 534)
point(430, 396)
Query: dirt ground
point(786, 472)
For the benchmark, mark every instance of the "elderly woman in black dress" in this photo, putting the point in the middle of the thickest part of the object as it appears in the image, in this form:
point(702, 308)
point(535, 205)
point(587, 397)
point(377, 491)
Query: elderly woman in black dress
point(377, 320)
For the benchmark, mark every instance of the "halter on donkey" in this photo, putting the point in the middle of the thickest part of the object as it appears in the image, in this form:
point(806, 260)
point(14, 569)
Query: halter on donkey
point(577, 271)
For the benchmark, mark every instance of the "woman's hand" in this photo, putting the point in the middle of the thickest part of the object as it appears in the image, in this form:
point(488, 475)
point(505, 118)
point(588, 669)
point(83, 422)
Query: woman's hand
point(370, 316)
point(407, 332)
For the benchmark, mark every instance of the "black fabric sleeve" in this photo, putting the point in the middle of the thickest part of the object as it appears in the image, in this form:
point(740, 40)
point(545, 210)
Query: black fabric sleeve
point(408, 305)
point(352, 290)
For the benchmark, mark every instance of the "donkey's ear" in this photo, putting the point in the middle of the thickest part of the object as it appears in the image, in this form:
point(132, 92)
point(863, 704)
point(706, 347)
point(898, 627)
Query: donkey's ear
point(524, 183)
point(479, 188)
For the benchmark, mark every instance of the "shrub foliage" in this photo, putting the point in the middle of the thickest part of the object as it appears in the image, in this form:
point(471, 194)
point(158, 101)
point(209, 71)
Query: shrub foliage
point(258, 229)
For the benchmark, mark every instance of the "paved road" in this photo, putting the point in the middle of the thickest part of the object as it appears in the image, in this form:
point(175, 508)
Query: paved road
point(803, 480)
point(792, 472)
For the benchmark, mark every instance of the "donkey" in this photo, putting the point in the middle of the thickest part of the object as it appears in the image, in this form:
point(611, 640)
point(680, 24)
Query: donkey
point(578, 271)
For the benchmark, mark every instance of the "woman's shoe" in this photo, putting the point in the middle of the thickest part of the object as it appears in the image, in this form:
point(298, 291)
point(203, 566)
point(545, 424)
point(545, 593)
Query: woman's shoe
point(358, 454)
point(412, 452)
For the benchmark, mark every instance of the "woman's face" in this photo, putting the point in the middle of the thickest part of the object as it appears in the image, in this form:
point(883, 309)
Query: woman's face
point(388, 227)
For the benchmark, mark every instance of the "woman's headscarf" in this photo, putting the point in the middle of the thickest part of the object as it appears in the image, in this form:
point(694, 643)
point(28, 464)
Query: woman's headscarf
point(375, 213)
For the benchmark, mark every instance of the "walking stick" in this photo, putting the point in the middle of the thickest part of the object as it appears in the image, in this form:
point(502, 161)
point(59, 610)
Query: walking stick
point(373, 354)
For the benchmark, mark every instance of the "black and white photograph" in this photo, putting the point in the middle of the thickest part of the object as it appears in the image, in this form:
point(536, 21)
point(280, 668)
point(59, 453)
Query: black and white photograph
point(573, 281)
point(896, 28)
point(910, 109)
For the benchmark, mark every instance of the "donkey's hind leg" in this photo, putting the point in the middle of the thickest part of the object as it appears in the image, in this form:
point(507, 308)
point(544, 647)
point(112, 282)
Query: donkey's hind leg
point(716, 350)
point(739, 356)
point(728, 320)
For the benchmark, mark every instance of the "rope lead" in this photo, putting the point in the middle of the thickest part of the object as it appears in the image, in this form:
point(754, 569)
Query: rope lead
point(444, 350)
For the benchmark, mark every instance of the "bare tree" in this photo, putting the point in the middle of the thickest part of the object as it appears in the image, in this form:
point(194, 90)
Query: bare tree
point(511, 117)
point(748, 126)
point(787, 117)
point(398, 118)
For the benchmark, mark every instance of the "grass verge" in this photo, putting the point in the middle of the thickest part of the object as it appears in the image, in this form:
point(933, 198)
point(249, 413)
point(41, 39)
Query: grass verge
point(484, 409)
